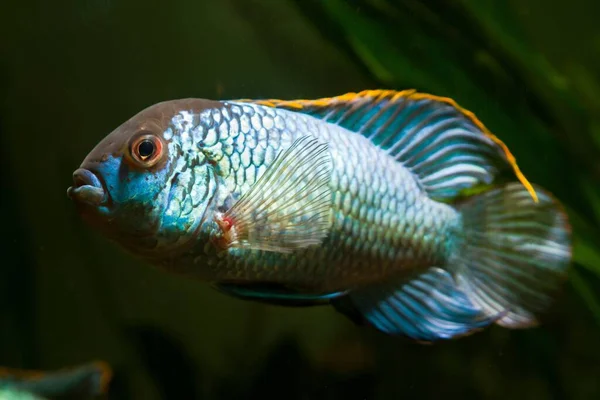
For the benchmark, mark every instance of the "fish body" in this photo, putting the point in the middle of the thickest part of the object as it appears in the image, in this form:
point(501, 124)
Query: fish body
point(378, 215)
point(360, 201)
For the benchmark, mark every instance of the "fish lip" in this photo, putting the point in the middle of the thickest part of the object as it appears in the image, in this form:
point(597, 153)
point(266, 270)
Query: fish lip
point(87, 188)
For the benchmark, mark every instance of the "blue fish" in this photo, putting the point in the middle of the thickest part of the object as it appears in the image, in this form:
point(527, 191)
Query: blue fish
point(400, 209)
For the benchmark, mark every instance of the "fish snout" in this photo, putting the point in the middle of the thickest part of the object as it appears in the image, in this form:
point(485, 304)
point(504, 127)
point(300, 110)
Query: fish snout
point(86, 188)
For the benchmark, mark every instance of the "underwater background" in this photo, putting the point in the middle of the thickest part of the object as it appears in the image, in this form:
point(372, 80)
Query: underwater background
point(72, 71)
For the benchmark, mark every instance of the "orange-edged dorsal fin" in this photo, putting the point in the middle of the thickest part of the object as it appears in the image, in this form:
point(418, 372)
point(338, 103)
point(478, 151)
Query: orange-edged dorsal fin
point(445, 145)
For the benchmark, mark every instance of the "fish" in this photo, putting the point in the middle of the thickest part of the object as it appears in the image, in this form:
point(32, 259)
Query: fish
point(82, 381)
point(400, 209)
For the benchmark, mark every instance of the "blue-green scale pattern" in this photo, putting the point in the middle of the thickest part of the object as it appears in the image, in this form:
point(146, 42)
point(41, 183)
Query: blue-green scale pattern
point(382, 221)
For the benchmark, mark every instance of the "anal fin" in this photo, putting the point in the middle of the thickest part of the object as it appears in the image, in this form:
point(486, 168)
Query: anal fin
point(427, 308)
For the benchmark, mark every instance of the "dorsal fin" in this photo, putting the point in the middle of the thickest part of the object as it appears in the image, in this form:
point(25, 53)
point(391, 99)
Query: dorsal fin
point(446, 146)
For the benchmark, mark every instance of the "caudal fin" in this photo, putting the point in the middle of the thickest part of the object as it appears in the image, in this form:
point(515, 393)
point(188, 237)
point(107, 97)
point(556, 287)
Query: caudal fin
point(515, 253)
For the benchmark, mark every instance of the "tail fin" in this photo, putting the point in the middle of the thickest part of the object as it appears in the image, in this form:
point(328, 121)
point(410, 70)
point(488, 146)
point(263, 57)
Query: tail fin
point(515, 253)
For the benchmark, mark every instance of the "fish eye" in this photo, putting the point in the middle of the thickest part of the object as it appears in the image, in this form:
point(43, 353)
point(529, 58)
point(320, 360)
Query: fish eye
point(146, 149)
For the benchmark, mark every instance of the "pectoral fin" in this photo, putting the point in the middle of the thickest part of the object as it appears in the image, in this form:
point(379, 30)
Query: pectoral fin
point(289, 206)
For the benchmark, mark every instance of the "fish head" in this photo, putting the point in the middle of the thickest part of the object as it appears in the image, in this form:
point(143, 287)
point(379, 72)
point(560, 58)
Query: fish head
point(144, 185)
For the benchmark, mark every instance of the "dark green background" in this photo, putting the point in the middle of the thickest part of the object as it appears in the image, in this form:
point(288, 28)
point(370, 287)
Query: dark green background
point(71, 71)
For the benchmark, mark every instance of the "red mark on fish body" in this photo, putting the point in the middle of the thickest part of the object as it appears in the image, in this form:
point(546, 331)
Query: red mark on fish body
point(228, 232)
point(225, 223)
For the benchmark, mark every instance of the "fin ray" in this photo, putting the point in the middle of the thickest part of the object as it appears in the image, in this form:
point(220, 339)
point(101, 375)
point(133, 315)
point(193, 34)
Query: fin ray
point(516, 252)
point(288, 207)
point(427, 307)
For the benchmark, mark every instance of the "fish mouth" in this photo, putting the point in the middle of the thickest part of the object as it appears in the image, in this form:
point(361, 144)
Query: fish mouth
point(87, 188)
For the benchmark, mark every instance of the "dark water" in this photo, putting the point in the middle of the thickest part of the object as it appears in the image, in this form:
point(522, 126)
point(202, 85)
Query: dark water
point(71, 71)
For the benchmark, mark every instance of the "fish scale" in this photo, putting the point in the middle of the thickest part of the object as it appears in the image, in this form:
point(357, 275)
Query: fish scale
point(369, 192)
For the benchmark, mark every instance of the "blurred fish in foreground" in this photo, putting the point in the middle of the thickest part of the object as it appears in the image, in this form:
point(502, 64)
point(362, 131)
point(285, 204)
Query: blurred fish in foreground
point(81, 382)
point(398, 208)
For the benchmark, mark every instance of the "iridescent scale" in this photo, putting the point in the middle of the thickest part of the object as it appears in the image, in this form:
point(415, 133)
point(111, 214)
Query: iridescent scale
point(382, 222)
